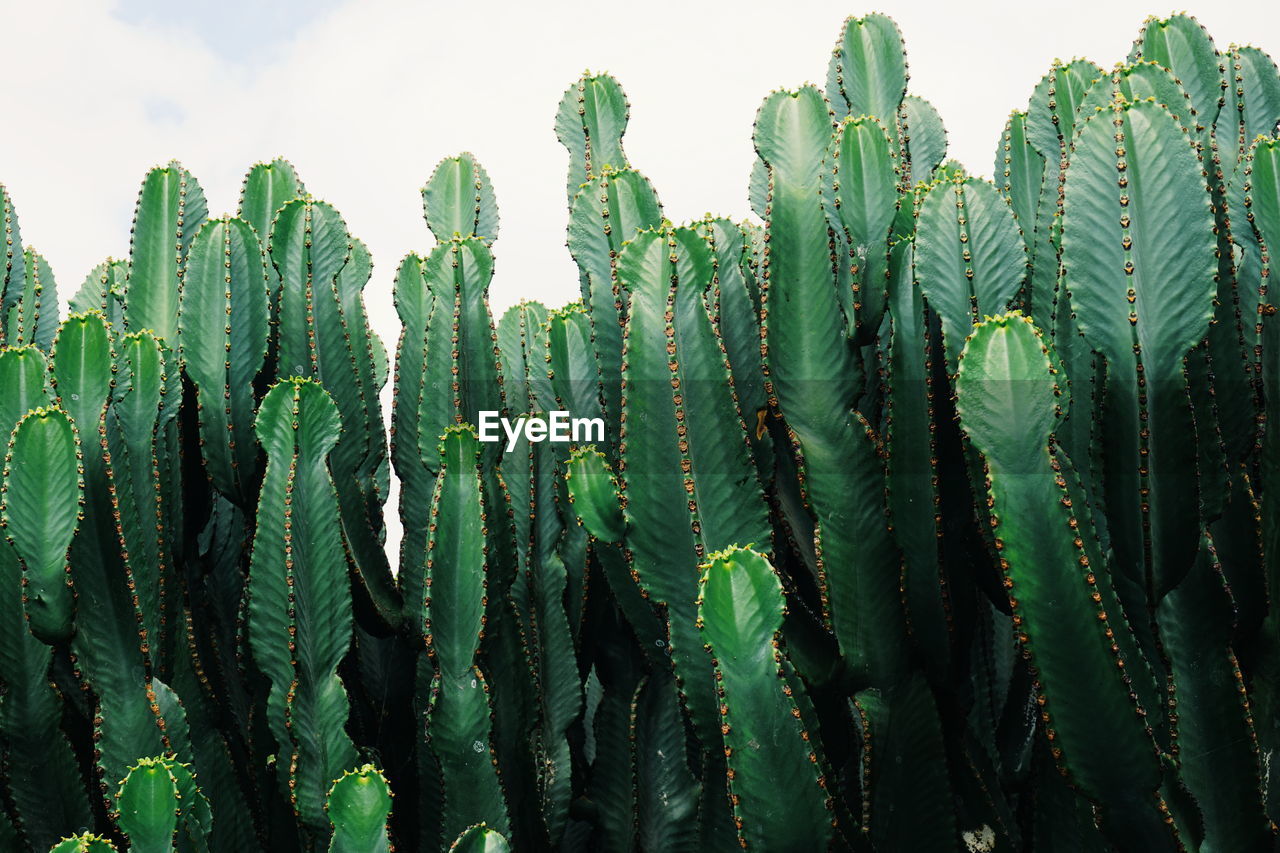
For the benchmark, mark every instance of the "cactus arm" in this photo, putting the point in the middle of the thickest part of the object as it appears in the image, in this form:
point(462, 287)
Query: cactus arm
point(1020, 171)
point(1254, 107)
point(13, 273)
point(413, 302)
point(449, 613)
point(103, 290)
point(147, 804)
point(734, 310)
point(170, 208)
point(590, 122)
point(265, 189)
point(84, 843)
point(1007, 399)
point(520, 342)
point(134, 437)
point(311, 249)
point(462, 359)
point(113, 654)
point(480, 839)
point(902, 749)
point(458, 200)
point(730, 503)
point(667, 806)
point(867, 73)
point(779, 796)
point(593, 491)
point(300, 618)
point(805, 348)
point(226, 280)
point(925, 138)
point(804, 330)
point(608, 211)
point(1119, 241)
point(570, 379)
point(308, 246)
point(42, 780)
point(1181, 44)
point(33, 318)
point(860, 193)
point(40, 501)
point(970, 259)
point(1217, 745)
point(911, 462)
point(359, 807)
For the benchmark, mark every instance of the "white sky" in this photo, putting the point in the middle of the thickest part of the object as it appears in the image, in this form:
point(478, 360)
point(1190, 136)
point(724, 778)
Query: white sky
point(365, 96)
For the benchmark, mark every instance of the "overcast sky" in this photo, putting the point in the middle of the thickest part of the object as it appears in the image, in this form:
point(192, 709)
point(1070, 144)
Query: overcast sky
point(365, 96)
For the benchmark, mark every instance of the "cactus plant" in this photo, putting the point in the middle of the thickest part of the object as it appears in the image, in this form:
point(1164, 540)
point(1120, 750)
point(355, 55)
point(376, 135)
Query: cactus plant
point(926, 512)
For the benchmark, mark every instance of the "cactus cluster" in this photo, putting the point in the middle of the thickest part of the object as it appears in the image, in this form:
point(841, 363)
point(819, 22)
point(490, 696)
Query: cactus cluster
point(931, 513)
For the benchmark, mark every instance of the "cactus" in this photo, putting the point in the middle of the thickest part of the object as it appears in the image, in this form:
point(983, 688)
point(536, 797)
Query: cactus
point(84, 843)
point(226, 277)
point(170, 208)
point(774, 779)
point(300, 618)
point(148, 805)
point(1069, 619)
point(359, 804)
point(448, 597)
point(39, 511)
point(480, 839)
point(1150, 477)
point(929, 513)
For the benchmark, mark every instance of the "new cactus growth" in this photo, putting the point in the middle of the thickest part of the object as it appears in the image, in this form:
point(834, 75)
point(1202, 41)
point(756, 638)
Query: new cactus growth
point(929, 513)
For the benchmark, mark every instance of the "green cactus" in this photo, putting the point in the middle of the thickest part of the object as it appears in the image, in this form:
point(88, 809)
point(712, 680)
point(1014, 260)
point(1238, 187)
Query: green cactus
point(359, 805)
point(39, 511)
point(775, 782)
point(226, 277)
point(480, 839)
point(862, 559)
point(171, 206)
point(590, 122)
point(1069, 620)
point(41, 770)
point(147, 803)
point(813, 387)
point(103, 291)
point(300, 618)
point(84, 843)
point(1143, 296)
point(448, 598)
